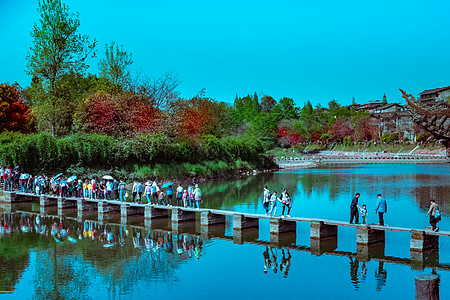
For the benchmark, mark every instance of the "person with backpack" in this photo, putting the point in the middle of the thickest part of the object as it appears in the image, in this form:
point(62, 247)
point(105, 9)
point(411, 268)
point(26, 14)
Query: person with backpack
point(286, 201)
point(435, 215)
point(122, 190)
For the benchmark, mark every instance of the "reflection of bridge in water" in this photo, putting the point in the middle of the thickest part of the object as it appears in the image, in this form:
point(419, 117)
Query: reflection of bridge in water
point(286, 240)
point(370, 240)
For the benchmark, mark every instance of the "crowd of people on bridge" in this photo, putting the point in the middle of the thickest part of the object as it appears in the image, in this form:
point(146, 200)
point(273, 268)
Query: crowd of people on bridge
point(109, 188)
point(106, 188)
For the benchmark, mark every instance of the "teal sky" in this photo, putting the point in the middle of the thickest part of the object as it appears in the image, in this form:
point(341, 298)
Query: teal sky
point(307, 50)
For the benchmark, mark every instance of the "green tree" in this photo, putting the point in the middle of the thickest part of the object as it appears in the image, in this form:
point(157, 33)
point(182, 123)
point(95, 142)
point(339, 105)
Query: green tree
point(114, 66)
point(264, 128)
point(267, 103)
point(58, 49)
point(290, 111)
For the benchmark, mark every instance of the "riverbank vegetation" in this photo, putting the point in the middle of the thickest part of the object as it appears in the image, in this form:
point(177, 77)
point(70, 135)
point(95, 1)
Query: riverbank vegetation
point(138, 125)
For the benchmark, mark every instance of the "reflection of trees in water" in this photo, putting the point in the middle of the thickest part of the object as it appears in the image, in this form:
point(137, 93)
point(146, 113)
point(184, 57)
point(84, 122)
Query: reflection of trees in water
point(60, 277)
point(11, 270)
point(426, 191)
point(229, 192)
point(334, 183)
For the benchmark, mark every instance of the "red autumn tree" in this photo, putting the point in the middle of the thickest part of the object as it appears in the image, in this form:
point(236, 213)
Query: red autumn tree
point(102, 113)
point(364, 130)
point(199, 116)
point(341, 128)
point(14, 112)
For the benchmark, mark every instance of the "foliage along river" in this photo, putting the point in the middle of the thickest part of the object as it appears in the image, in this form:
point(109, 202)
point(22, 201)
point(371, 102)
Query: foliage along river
point(115, 262)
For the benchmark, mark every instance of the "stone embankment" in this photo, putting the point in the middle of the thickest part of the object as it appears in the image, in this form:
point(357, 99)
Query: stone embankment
point(325, 157)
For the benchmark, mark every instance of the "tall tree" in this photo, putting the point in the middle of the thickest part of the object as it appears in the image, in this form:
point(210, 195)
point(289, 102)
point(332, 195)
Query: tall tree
point(58, 49)
point(114, 66)
point(290, 111)
point(160, 91)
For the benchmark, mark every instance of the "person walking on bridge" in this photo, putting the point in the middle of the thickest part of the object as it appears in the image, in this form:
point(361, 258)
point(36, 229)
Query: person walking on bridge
point(122, 190)
point(354, 209)
point(266, 199)
point(273, 204)
point(381, 209)
point(434, 214)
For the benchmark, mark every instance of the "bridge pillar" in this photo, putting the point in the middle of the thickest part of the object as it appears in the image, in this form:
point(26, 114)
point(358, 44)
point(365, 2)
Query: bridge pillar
point(282, 240)
point(188, 226)
point(46, 201)
point(105, 207)
point(427, 287)
point(320, 246)
point(421, 241)
point(8, 197)
point(214, 230)
point(208, 218)
point(240, 222)
point(127, 210)
point(181, 215)
point(365, 235)
point(278, 225)
point(83, 205)
point(63, 203)
point(420, 260)
point(152, 212)
point(367, 252)
point(319, 230)
point(6, 208)
point(246, 235)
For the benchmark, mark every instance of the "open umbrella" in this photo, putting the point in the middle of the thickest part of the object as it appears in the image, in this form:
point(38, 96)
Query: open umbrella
point(166, 185)
point(57, 176)
point(108, 177)
point(25, 176)
point(72, 178)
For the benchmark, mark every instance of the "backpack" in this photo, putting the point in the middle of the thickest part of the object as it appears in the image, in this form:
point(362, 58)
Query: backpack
point(437, 214)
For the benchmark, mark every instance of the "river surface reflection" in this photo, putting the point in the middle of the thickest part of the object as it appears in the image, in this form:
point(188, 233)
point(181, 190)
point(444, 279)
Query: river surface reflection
point(67, 256)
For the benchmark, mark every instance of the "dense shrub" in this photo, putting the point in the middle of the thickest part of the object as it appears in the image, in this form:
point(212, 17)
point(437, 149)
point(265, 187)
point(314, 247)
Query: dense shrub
point(42, 152)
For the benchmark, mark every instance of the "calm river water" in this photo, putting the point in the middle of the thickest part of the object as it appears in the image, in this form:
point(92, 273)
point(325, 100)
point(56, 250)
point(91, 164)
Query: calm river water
point(87, 260)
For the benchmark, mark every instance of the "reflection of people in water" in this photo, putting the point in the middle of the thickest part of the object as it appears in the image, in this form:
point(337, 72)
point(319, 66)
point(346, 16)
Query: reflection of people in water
point(380, 276)
point(266, 259)
point(198, 248)
point(285, 263)
point(274, 259)
point(169, 243)
point(137, 240)
point(363, 273)
point(354, 266)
